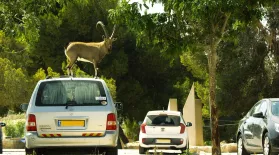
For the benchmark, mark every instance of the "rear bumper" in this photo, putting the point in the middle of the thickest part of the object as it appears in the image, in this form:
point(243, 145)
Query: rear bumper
point(108, 140)
point(175, 142)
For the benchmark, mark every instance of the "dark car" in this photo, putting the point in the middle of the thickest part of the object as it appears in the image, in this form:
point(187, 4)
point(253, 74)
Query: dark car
point(1, 144)
point(258, 131)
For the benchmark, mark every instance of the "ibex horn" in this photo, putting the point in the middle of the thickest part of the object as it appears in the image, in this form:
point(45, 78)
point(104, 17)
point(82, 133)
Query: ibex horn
point(112, 31)
point(103, 26)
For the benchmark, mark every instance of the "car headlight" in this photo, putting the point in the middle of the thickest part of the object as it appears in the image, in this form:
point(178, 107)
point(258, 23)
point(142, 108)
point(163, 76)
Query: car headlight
point(276, 127)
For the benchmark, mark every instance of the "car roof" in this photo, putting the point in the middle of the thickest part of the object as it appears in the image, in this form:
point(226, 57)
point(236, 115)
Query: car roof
point(273, 99)
point(71, 78)
point(157, 112)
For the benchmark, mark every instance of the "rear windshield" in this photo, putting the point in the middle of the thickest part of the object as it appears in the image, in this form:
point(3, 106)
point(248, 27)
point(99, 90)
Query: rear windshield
point(61, 93)
point(162, 120)
point(275, 108)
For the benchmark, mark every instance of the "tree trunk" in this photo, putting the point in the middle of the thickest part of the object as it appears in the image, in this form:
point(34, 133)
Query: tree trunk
point(212, 64)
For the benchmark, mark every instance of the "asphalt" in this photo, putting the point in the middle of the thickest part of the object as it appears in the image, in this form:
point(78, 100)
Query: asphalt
point(120, 152)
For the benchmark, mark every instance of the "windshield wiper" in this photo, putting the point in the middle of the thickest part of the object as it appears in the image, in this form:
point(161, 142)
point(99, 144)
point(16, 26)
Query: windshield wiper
point(70, 103)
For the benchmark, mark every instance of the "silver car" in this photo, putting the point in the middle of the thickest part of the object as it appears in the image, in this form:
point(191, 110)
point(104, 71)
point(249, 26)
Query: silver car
point(71, 113)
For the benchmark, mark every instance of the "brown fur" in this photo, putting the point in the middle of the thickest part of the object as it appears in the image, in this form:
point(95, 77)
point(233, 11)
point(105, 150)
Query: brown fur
point(92, 52)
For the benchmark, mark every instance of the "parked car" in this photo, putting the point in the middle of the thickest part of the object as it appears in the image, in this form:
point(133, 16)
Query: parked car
point(71, 113)
point(258, 131)
point(163, 130)
point(1, 144)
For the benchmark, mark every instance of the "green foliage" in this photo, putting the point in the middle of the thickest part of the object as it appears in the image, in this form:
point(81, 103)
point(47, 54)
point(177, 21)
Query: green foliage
point(131, 129)
point(14, 126)
point(14, 86)
point(39, 75)
point(156, 56)
point(111, 85)
point(51, 73)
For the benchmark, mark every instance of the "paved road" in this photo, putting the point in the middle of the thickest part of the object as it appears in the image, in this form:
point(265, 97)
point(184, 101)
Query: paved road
point(120, 152)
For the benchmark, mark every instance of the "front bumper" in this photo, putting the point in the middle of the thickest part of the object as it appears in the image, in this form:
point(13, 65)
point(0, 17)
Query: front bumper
point(275, 144)
point(274, 139)
point(108, 140)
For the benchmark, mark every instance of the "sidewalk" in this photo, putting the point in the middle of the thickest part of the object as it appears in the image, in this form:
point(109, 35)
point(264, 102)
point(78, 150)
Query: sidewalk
point(203, 153)
point(227, 149)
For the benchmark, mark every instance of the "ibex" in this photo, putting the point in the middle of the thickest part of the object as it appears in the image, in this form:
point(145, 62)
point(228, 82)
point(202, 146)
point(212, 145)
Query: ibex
point(92, 52)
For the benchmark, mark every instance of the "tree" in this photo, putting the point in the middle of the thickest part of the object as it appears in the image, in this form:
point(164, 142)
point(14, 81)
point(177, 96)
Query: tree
point(201, 23)
point(14, 85)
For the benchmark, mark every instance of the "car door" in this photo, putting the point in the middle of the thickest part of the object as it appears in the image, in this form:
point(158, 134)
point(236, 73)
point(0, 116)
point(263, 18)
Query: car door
point(260, 124)
point(248, 127)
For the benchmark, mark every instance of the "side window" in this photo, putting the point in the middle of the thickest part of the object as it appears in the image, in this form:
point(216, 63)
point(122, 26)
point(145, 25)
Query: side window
point(255, 109)
point(264, 107)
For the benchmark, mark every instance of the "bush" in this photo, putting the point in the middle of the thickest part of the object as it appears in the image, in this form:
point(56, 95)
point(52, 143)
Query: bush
point(15, 124)
point(14, 128)
point(131, 129)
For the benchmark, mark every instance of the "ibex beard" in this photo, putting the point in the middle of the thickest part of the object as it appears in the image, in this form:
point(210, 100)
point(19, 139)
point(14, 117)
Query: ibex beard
point(92, 52)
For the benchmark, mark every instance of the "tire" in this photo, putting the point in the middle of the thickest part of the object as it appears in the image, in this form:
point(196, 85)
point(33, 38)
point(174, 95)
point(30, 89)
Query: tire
point(240, 147)
point(1, 143)
point(33, 151)
point(267, 149)
point(114, 150)
point(1, 146)
point(142, 150)
point(187, 148)
point(28, 151)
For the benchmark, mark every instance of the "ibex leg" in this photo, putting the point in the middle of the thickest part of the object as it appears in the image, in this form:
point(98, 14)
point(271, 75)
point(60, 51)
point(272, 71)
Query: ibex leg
point(95, 69)
point(70, 69)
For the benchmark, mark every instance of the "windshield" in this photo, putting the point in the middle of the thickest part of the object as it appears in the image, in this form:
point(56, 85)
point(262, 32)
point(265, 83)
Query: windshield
point(275, 108)
point(61, 93)
point(163, 120)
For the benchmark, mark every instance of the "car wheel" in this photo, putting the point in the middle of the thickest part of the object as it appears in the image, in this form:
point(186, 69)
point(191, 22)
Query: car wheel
point(267, 146)
point(1, 147)
point(142, 150)
point(114, 150)
point(33, 151)
point(1, 144)
point(28, 151)
point(240, 147)
point(187, 148)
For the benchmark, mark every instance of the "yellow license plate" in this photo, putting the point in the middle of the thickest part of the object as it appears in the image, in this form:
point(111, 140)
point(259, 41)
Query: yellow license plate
point(70, 123)
point(163, 141)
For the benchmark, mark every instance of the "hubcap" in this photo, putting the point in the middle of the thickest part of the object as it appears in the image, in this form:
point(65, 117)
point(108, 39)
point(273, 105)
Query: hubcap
point(266, 146)
point(239, 146)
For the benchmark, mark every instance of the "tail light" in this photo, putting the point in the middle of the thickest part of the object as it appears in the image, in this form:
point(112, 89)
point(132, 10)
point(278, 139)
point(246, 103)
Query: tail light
point(182, 128)
point(142, 127)
point(111, 122)
point(31, 123)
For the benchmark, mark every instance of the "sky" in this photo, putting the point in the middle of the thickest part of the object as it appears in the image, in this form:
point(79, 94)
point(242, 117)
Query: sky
point(157, 8)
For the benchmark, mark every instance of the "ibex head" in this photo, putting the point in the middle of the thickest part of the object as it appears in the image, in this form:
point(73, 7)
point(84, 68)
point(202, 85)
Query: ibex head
point(108, 40)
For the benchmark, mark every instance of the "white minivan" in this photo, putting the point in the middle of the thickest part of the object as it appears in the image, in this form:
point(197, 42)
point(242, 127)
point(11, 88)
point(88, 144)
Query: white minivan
point(163, 130)
point(71, 113)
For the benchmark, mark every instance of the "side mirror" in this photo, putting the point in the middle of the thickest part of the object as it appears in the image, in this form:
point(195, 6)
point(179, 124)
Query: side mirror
point(2, 124)
point(140, 122)
point(118, 105)
point(258, 115)
point(188, 124)
point(24, 106)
